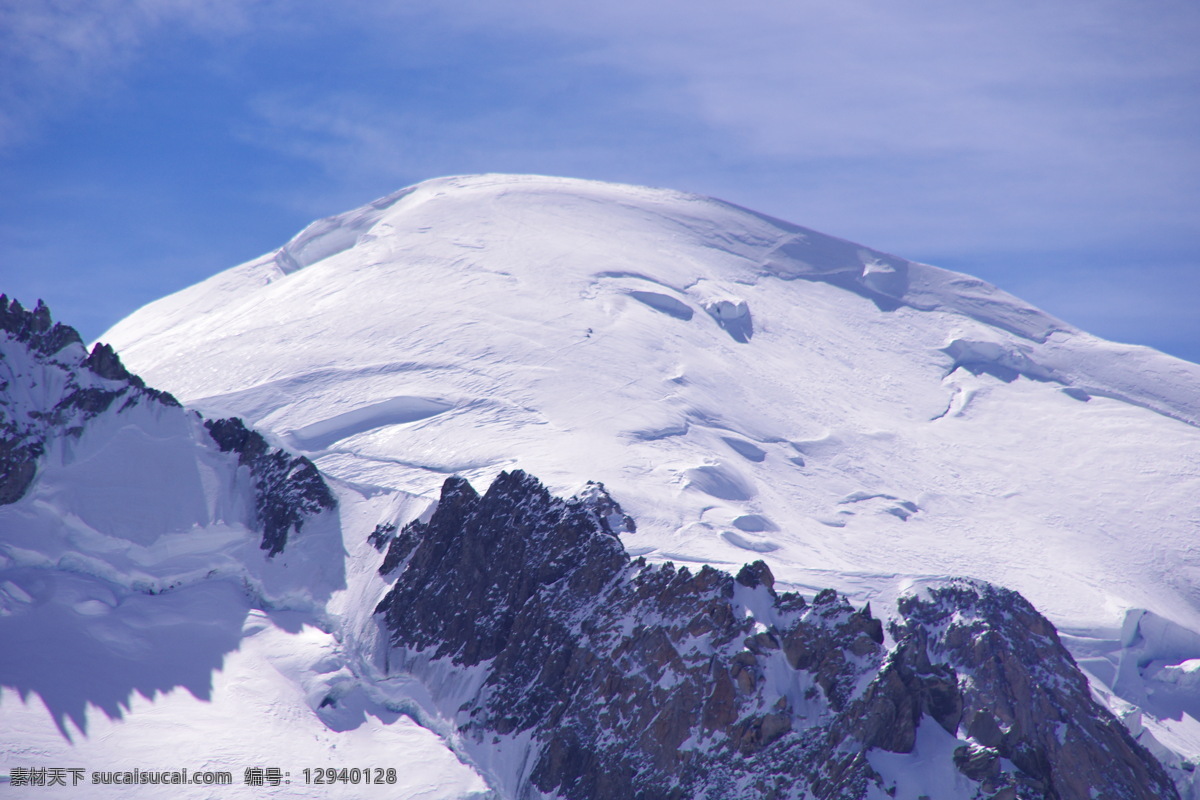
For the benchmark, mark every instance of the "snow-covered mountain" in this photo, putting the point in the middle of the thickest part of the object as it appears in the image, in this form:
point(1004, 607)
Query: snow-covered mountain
point(164, 586)
point(745, 389)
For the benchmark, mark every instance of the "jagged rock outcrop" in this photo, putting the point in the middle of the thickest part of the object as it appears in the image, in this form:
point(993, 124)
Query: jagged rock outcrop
point(1025, 700)
point(35, 328)
point(629, 680)
point(51, 386)
point(287, 488)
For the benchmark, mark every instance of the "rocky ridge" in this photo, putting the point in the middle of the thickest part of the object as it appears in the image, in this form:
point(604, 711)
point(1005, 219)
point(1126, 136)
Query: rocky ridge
point(626, 679)
point(287, 488)
point(52, 386)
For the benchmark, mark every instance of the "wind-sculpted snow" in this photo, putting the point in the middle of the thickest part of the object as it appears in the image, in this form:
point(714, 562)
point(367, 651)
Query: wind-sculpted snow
point(468, 325)
point(623, 679)
point(664, 303)
point(328, 237)
point(396, 411)
point(745, 385)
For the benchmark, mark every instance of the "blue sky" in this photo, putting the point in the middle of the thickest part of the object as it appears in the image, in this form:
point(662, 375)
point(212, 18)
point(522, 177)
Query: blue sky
point(1050, 148)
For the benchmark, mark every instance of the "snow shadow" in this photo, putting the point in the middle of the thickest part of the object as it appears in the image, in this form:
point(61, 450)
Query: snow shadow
point(343, 711)
point(720, 482)
point(396, 411)
point(665, 303)
point(747, 450)
point(740, 329)
point(754, 545)
point(75, 640)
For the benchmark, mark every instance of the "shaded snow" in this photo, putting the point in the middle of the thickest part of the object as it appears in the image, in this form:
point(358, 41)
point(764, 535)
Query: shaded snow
point(927, 772)
point(396, 411)
point(143, 626)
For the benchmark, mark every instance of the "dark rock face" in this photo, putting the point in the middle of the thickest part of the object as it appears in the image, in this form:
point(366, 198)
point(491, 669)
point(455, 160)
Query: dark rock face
point(382, 535)
point(516, 523)
point(103, 361)
point(287, 488)
point(18, 464)
point(35, 328)
point(647, 682)
point(1026, 700)
point(21, 431)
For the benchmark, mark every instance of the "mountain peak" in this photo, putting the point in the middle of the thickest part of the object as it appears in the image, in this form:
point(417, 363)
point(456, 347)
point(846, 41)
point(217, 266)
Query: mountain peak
point(755, 246)
point(901, 438)
point(747, 386)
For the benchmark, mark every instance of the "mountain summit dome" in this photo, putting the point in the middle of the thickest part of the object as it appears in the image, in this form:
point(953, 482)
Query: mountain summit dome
point(528, 485)
point(746, 387)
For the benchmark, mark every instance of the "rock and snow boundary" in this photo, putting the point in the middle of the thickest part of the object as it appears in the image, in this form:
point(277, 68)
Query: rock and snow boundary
point(579, 672)
point(747, 388)
point(164, 583)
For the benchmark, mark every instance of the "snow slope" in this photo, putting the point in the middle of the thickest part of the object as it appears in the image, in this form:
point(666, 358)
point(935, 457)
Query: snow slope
point(143, 626)
point(744, 387)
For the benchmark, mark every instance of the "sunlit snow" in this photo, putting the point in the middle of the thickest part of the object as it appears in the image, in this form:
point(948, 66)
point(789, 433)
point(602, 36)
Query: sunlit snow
point(745, 388)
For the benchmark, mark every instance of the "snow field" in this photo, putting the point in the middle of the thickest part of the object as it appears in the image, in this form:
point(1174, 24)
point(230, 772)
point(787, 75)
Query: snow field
point(744, 387)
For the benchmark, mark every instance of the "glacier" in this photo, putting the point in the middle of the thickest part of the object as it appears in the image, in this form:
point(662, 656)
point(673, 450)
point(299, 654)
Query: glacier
point(746, 389)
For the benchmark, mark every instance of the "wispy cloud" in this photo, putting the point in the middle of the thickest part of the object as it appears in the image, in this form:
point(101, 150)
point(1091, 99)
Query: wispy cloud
point(53, 51)
point(945, 131)
point(995, 107)
point(981, 115)
point(841, 78)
